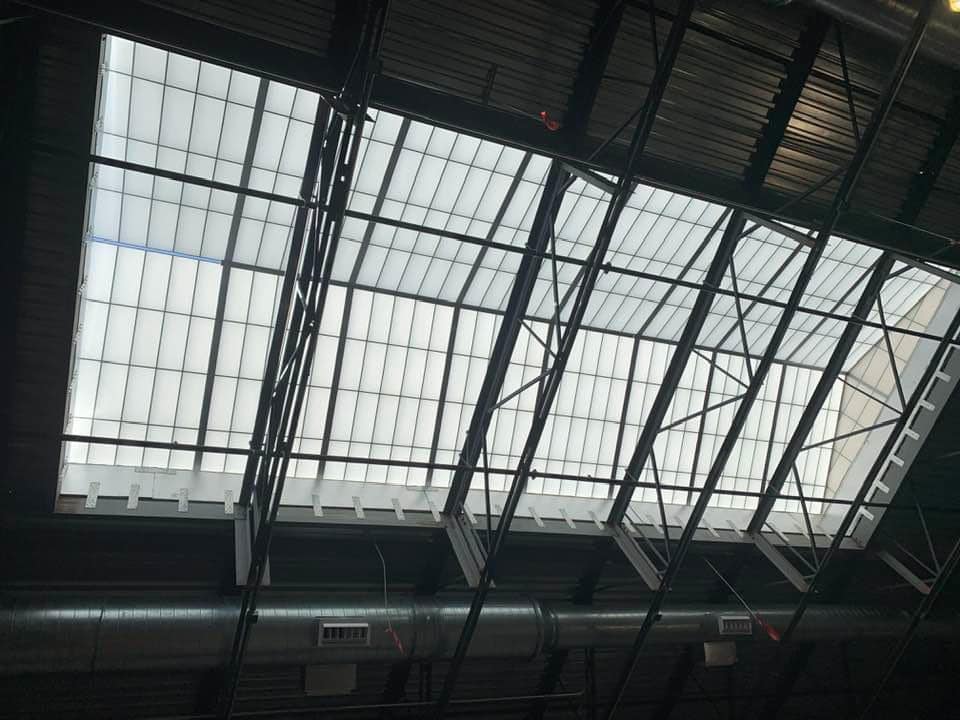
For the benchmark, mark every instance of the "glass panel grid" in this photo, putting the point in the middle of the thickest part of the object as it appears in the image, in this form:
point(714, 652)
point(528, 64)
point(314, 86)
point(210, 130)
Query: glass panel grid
point(154, 263)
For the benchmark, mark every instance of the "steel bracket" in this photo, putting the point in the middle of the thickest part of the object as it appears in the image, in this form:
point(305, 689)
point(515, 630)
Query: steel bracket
point(786, 568)
point(467, 547)
point(243, 533)
point(904, 572)
point(635, 555)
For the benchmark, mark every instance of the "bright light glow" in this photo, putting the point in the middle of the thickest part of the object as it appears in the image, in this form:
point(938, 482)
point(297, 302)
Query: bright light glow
point(955, 5)
point(155, 261)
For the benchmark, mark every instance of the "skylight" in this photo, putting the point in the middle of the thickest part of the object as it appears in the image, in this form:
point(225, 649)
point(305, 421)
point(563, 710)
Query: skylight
point(180, 284)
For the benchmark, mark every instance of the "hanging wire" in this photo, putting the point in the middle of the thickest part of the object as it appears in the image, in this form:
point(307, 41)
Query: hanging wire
point(386, 605)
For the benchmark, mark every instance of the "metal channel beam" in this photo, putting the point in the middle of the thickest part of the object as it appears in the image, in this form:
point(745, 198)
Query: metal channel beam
point(791, 88)
point(847, 185)
point(551, 385)
point(678, 363)
point(787, 569)
point(904, 572)
point(831, 372)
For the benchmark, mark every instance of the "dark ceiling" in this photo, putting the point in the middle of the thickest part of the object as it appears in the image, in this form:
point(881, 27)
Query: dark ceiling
point(489, 68)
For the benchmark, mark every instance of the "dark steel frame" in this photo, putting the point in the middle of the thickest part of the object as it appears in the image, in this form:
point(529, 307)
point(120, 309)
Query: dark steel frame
point(493, 381)
point(332, 155)
point(847, 185)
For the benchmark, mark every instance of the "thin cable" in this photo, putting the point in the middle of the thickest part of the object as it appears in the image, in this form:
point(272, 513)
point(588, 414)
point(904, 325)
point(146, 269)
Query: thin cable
point(386, 605)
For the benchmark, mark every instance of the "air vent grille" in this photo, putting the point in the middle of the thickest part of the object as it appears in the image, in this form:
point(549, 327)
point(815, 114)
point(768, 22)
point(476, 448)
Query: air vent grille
point(344, 634)
point(736, 625)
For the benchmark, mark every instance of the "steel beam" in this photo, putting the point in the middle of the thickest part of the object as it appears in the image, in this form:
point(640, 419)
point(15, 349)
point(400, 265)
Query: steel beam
point(791, 87)
point(311, 169)
point(923, 182)
point(847, 185)
point(679, 676)
point(507, 337)
point(904, 572)
point(786, 568)
point(423, 465)
point(828, 378)
point(481, 242)
point(593, 65)
point(336, 138)
point(549, 389)
point(348, 299)
point(678, 363)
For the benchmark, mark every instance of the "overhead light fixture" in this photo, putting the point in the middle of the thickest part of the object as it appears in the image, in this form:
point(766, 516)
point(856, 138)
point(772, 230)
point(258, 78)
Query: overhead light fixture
point(955, 5)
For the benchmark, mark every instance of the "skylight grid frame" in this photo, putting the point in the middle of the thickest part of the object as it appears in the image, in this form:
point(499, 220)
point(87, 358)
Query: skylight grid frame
point(305, 450)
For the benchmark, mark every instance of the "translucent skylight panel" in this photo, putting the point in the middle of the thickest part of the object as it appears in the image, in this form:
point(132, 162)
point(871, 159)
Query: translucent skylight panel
point(473, 344)
point(416, 349)
point(389, 389)
point(145, 331)
point(511, 420)
point(581, 431)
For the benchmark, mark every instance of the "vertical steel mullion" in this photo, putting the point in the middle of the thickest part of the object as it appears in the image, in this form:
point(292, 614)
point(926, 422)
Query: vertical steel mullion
point(228, 255)
point(890, 354)
point(821, 391)
point(702, 426)
point(678, 362)
point(623, 414)
point(458, 308)
point(847, 185)
point(773, 427)
point(741, 320)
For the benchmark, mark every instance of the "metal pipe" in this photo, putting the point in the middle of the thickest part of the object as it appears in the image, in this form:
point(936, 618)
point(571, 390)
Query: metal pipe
point(81, 634)
point(893, 19)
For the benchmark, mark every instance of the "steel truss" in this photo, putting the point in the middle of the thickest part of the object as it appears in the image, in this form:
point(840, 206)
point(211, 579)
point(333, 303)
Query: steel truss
point(307, 277)
point(564, 337)
point(848, 183)
point(328, 174)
